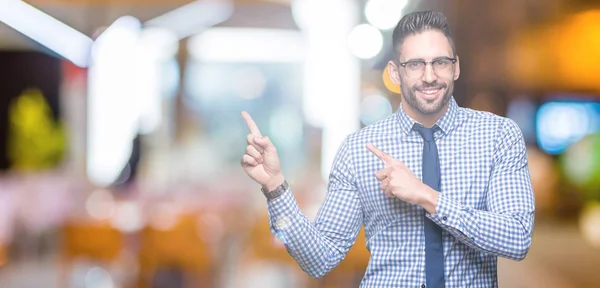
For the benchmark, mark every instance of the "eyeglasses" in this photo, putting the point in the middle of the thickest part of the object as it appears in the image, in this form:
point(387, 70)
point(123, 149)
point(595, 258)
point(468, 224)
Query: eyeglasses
point(416, 68)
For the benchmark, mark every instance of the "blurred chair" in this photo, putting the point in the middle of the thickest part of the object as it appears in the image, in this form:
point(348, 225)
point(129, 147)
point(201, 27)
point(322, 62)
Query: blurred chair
point(175, 253)
point(92, 240)
point(3, 255)
point(265, 246)
point(265, 261)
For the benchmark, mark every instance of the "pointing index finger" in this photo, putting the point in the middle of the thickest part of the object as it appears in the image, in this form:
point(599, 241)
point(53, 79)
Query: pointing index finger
point(387, 159)
point(251, 125)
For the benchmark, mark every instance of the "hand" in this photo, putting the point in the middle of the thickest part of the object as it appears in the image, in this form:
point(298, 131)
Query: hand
point(398, 181)
point(261, 161)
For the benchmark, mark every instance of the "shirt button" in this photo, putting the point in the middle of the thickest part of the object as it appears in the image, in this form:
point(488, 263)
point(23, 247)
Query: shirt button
point(423, 285)
point(444, 218)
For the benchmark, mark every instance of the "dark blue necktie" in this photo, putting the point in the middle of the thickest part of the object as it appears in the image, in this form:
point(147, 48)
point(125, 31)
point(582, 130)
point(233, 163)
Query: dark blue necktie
point(434, 252)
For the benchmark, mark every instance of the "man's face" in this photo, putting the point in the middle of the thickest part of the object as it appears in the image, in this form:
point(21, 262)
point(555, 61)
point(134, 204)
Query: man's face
point(429, 88)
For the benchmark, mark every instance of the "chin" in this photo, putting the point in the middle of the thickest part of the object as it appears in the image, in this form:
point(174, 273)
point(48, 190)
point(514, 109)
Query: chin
point(431, 106)
point(429, 109)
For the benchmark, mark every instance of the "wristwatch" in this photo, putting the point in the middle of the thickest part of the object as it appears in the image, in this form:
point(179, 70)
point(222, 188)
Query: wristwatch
point(275, 192)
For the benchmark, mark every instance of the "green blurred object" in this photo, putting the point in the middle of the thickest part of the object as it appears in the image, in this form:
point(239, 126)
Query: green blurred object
point(35, 141)
point(581, 166)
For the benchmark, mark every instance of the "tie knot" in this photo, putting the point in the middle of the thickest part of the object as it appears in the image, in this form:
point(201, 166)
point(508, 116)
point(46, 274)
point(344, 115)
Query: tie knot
point(426, 133)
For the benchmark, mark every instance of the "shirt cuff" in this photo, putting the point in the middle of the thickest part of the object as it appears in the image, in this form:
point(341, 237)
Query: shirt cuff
point(282, 210)
point(447, 213)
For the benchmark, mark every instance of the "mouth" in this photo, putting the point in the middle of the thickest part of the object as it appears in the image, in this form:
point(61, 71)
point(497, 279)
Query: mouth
point(430, 93)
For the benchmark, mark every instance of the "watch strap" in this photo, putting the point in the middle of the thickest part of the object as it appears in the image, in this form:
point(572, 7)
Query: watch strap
point(275, 192)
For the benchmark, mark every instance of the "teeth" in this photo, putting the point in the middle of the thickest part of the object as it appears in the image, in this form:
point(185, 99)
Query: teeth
point(430, 92)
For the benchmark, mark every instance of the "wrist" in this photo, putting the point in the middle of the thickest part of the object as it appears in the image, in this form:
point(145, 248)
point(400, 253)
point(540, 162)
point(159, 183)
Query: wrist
point(274, 183)
point(429, 199)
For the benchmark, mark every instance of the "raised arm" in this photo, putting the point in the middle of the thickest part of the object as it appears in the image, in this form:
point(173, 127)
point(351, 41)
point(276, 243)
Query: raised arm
point(320, 246)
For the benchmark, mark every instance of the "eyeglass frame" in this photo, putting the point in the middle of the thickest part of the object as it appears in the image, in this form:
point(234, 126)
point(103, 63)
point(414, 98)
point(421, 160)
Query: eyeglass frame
point(403, 64)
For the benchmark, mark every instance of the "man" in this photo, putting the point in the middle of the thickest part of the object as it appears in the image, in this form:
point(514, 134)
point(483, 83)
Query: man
point(450, 194)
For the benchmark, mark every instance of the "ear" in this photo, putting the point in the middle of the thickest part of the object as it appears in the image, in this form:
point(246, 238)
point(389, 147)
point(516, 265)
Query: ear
point(393, 72)
point(457, 68)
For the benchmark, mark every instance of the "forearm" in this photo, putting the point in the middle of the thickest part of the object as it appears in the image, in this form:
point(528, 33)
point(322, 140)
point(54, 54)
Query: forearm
point(505, 234)
point(315, 253)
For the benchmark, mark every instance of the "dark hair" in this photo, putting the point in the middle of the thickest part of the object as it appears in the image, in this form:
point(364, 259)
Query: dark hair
point(417, 22)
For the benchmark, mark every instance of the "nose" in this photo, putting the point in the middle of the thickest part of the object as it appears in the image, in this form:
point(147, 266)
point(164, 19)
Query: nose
point(429, 75)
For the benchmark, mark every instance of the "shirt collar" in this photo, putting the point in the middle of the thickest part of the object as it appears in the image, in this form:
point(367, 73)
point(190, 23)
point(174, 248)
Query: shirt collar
point(446, 123)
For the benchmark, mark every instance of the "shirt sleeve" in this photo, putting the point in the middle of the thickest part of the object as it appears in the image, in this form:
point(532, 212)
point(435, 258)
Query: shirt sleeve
point(505, 228)
point(320, 246)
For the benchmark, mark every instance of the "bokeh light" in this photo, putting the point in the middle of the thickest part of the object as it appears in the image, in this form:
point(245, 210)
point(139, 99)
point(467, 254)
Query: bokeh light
point(365, 41)
point(589, 224)
point(384, 14)
point(560, 124)
point(388, 83)
point(374, 107)
point(100, 204)
point(97, 277)
point(581, 164)
point(249, 83)
point(128, 217)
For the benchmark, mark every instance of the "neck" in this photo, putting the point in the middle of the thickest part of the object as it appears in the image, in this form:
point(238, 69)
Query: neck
point(426, 119)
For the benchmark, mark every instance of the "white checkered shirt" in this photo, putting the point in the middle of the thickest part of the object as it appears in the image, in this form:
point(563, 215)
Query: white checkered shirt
point(485, 207)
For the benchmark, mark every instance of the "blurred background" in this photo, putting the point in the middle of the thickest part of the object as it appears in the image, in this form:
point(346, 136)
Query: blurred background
point(121, 134)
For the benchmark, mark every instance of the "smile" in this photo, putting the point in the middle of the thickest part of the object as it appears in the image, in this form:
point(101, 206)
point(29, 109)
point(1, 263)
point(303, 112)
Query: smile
point(430, 91)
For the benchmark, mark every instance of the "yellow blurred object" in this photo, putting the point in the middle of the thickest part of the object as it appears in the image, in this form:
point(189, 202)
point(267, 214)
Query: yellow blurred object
point(389, 84)
point(578, 50)
point(35, 140)
point(3, 258)
point(561, 56)
point(528, 62)
point(589, 224)
point(95, 240)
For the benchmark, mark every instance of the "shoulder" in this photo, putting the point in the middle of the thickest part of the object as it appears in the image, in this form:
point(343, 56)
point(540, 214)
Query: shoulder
point(502, 134)
point(495, 125)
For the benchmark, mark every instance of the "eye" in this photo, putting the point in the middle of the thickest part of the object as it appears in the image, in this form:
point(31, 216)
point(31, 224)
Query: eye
point(414, 65)
point(441, 63)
